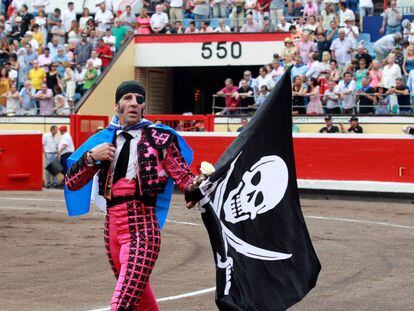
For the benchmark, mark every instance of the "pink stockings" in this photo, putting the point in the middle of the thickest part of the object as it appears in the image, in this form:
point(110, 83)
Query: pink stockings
point(132, 242)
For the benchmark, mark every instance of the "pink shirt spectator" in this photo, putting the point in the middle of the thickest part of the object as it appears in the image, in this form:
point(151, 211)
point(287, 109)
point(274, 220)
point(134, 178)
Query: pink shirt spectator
point(310, 10)
point(231, 102)
point(305, 48)
point(375, 76)
point(44, 62)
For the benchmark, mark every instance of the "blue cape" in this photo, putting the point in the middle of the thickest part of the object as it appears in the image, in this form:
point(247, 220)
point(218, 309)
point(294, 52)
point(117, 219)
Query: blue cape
point(78, 202)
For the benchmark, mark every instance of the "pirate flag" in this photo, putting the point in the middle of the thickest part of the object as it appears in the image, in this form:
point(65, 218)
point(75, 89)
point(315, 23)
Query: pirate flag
point(250, 206)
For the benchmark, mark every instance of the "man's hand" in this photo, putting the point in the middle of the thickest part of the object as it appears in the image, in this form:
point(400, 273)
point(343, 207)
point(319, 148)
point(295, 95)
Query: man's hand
point(103, 152)
point(192, 193)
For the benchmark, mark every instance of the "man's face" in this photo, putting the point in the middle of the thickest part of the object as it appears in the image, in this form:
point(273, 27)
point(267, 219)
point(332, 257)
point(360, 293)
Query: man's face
point(129, 110)
point(347, 78)
point(54, 131)
point(249, 19)
point(158, 8)
point(57, 13)
point(342, 35)
point(298, 61)
point(360, 50)
point(364, 82)
point(247, 75)
point(398, 83)
point(331, 85)
point(328, 122)
point(28, 48)
point(244, 122)
point(128, 9)
point(35, 64)
point(243, 83)
point(44, 88)
point(60, 52)
point(393, 4)
point(333, 25)
point(228, 84)
point(71, 7)
point(47, 53)
point(102, 6)
point(354, 123)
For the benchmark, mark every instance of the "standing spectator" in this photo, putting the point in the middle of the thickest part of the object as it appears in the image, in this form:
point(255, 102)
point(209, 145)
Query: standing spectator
point(52, 19)
point(120, 32)
point(109, 40)
point(391, 19)
point(103, 18)
point(36, 75)
point(288, 52)
point(299, 69)
point(314, 67)
point(159, 20)
point(65, 147)
point(329, 127)
point(27, 18)
point(375, 74)
point(354, 126)
point(410, 84)
point(366, 8)
point(245, 95)
point(93, 39)
point(267, 25)
point(5, 85)
point(59, 32)
point(366, 101)
point(298, 96)
point(129, 20)
point(201, 11)
point(251, 82)
point(13, 101)
point(191, 28)
point(361, 73)
point(327, 16)
point(45, 60)
point(283, 25)
point(277, 72)
point(74, 34)
point(176, 10)
point(59, 60)
point(362, 54)
point(264, 79)
point(305, 47)
point(219, 8)
point(243, 123)
point(83, 50)
point(408, 62)
point(237, 14)
point(230, 94)
point(70, 84)
point(345, 90)
point(332, 33)
point(61, 106)
point(351, 32)
point(144, 22)
point(205, 27)
point(341, 49)
point(28, 59)
point(261, 98)
point(50, 148)
point(97, 62)
point(408, 30)
point(344, 14)
point(79, 74)
point(14, 69)
point(104, 53)
point(310, 9)
point(276, 11)
point(45, 98)
point(54, 46)
point(331, 99)
point(403, 95)
point(250, 25)
point(17, 32)
point(27, 99)
point(83, 21)
point(52, 78)
point(261, 11)
point(90, 76)
point(68, 16)
point(390, 73)
point(222, 27)
point(314, 106)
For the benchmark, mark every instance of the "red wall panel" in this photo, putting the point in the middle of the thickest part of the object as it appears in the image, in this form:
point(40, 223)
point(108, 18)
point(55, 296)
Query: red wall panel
point(21, 161)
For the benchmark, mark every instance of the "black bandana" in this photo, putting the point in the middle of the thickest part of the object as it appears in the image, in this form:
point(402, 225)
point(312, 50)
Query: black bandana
point(126, 87)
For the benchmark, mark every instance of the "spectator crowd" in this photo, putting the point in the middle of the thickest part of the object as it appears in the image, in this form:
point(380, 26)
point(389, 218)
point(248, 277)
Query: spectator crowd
point(48, 61)
point(336, 69)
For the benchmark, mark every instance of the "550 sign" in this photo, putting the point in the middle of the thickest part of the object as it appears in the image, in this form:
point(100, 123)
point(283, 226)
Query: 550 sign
point(221, 50)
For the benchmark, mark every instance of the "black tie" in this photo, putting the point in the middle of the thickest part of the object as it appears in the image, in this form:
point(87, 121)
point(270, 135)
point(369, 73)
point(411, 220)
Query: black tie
point(121, 166)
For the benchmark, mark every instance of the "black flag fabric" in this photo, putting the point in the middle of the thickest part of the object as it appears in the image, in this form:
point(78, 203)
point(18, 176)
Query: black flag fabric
point(250, 207)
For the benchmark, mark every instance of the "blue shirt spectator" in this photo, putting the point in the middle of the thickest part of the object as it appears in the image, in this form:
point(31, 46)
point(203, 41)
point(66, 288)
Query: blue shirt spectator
point(299, 68)
point(59, 60)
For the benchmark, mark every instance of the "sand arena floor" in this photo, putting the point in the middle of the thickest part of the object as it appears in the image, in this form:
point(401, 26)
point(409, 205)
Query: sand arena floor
point(49, 261)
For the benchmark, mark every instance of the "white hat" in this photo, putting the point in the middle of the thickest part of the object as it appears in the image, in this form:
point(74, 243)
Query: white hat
point(28, 33)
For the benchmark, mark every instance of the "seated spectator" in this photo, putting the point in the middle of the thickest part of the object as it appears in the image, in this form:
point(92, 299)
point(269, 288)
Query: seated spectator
point(74, 34)
point(384, 45)
point(314, 66)
point(83, 50)
point(13, 101)
point(314, 106)
point(366, 100)
point(403, 95)
point(53, 46)
point(361, 73)
point(305, 47)
point(45, 98)
point(61, 106)
point(90, 76)
point(79, 74)
point(230, 94)
point(408, 62)
point(344, 14)
point(345, 90)
point(267, 25)
point(341, 49)
point(178, 28)
point(264, 79)
point(104, 53)
point(283, 25)
point(362, 54)
point(299, 68)
point(222, 27)
point(245, 95)
point(205, 27)
point(70, 84)
point(261, 98)
point(390, 72)
point(331, 99)
point(29, 39)
point(250, 25)
point(298, 96)
point(354, 126)
point(408, 30)
point(97, 62)
point(410, 84)
point(277, 72)
point(103, 18)
point(159, 20)
point(351, 31)
point(109, 40)
point(36, 75)
point(120, 32)
point(329, 127)
point(191, 28)
point(59, 32)
point(243, 124)
point(38, 37)
point(45, 60)
point(392, 18)
point(83, 21)
point(59, 60)
point(53, 77)
point(289, 51)
point(332, 33)
point(27, 100)
point(128, 19)
point(310, 26)
point(375, 74)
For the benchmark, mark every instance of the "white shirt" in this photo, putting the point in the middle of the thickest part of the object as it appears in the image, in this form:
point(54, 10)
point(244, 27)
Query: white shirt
point(348, 101)
point(159, 20)
point(66, 139)
point(314, 70)
point(219, 29)
point(110, 40)
point(267, 80)
point(340, 48)
point(50, 143)
point(389, 74)
point(410, 38)
point(366, 4)
point(97, 64)
point(177, 3)
point(17, 4)
point(284, 28)
point(350, 36)
point(103, 19)
point(67, 18)
point(343, 16)
point(133, 156)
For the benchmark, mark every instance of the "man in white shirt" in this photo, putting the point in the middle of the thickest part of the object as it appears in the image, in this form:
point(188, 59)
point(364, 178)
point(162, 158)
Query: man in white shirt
point(345, 89)
point(408, 30)
point(314, 68)
point(159, 20)
point(50, 147)
point(97, 62)
point(344, 14)
point(103, 18)
point(65, 147)
point(341, 49)
point(263, 79)
point(384, 45)
point(109, 39)
point(222, 27)
point(68, 16)
point(351, 32)
point(128, 19)
point(283, 25)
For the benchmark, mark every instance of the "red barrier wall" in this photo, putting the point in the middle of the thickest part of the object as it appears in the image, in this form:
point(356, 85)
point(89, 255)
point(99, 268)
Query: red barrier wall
point(338, 157)
point(21, 161)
